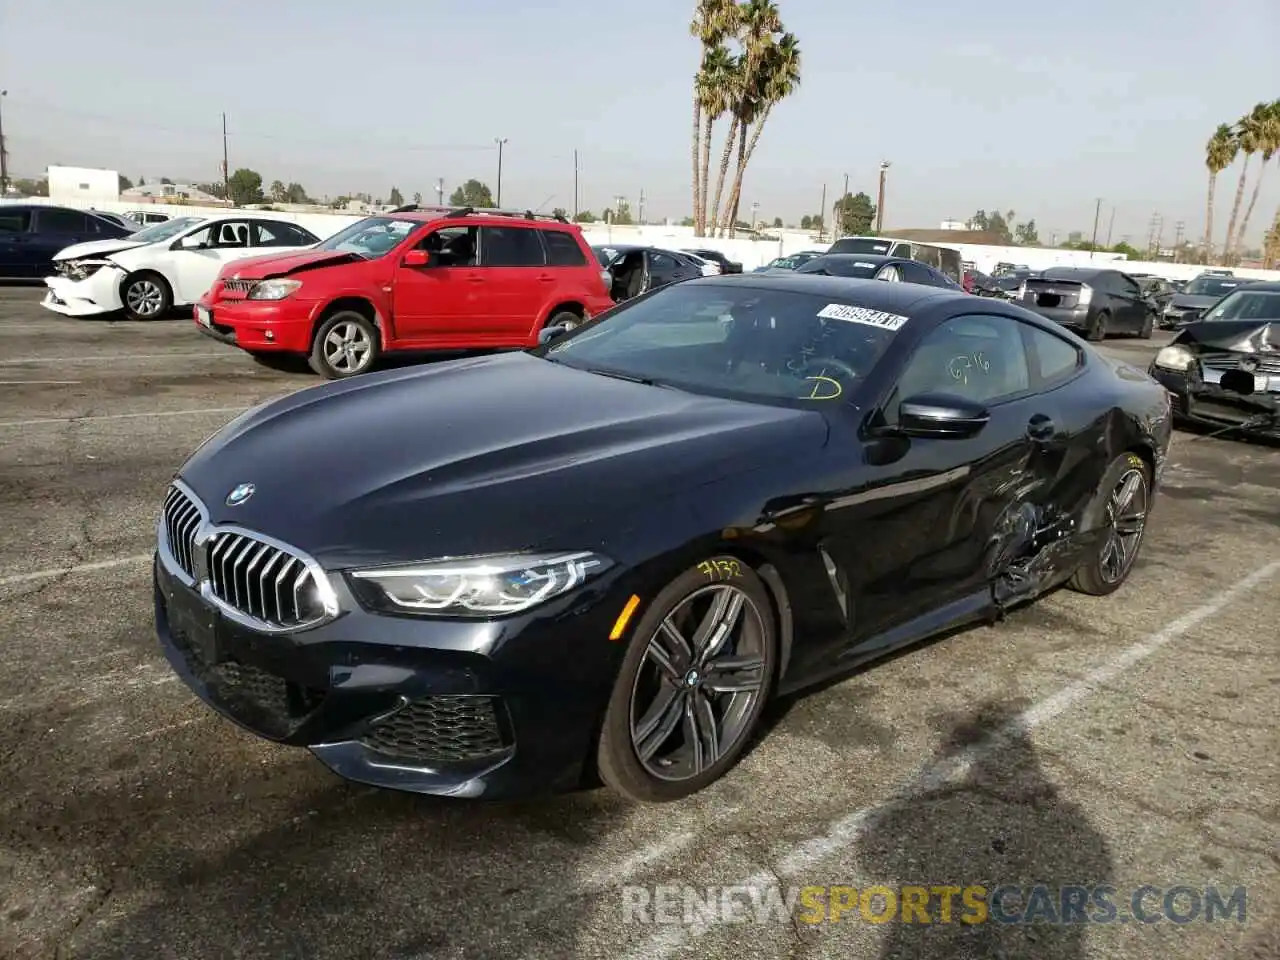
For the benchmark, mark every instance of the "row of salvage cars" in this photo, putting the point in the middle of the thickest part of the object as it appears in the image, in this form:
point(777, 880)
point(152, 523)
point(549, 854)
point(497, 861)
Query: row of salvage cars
point(710, 494)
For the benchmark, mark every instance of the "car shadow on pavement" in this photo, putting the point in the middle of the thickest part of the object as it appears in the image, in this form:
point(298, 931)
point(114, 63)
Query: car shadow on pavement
point(997, 821)
point(352, 872)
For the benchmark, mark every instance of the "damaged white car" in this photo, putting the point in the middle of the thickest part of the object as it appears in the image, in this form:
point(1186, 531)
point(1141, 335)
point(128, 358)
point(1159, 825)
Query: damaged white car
point(169, 264)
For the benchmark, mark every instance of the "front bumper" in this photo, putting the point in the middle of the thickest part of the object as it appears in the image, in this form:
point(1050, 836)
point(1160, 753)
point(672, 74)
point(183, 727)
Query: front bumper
point(1198, 397)
point(452, 708)
point(259, 326)
point(94, 295)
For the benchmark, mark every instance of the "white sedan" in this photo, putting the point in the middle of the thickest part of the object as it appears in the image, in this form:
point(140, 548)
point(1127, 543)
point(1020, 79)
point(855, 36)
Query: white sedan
point(169, 264)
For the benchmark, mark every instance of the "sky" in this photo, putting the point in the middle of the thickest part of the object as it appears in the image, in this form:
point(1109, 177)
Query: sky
point(988, 104)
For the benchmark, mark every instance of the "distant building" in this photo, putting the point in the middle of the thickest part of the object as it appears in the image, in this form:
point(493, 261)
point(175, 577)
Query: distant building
point(80, 186)
point(953, 225)
point(172, 193)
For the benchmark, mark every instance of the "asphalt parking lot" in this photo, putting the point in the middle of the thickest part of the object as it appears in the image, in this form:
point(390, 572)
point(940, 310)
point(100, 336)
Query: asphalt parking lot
point(1123, 741)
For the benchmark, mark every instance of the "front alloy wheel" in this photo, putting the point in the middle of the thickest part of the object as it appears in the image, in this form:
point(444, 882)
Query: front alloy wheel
point(345, 345)
point(146, 297)
point(693, 684)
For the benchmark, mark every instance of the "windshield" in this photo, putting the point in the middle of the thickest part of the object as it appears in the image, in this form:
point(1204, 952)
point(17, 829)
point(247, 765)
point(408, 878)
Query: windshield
point(741, 342)
point(840, 267)
point(1248, 305)
point(371, 237)
point(166, 230)
point(1210, 286)
point(861, 245)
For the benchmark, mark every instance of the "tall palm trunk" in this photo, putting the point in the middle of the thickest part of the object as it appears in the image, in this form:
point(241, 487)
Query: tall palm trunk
point(701, 215)
point(736, 190)
point(1235, 211)
point(746, 157)
point(1208, 218)
point(724, 171)
point(697, 184)
point(1248, 211)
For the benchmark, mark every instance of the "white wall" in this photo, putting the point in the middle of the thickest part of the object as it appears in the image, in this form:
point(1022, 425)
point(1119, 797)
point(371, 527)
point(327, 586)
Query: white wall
point(750, 253)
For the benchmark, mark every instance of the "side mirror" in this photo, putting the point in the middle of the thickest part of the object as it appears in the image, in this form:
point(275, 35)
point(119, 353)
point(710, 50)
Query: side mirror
point(547, 334)
point(941, 416)
point(416, 258)
point(186, 243)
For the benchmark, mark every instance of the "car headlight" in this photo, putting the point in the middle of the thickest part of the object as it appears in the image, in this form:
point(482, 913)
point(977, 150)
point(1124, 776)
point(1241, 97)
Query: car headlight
point(1175, 357)
point(476, 586)
point(273, 289)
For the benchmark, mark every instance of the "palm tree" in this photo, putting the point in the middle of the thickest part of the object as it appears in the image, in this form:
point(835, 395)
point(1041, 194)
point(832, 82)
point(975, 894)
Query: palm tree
point(734, 84)
point(713, 21)
point(758, 21)
point(1266, 117)
point(779, 78)
point(1245, 133)
point(715, 92)
point(1219, 153)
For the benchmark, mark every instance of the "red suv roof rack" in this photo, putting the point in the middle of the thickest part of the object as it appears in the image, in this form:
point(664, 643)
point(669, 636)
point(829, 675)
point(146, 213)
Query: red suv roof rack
point(495, 212)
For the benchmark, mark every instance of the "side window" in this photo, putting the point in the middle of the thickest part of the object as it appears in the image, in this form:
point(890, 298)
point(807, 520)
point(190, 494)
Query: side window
point(13, 220)
point(510, 247)
point(901, 250)
point(977, 357)
point(918, 273)
point(232, 234)
point(661, 263)
point(451, 246)
point(199, 240)
point(278, 233)
point(1056, 359)
point(54, 220)
point(1129, 286)
point(563, 249)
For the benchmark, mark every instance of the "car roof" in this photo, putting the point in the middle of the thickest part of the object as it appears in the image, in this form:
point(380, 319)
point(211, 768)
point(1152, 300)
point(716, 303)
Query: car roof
point(430, 214)
point(876, 259)
point(874, 294)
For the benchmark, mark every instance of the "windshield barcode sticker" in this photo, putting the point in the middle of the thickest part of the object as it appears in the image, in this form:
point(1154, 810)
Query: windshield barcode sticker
point(872, 318)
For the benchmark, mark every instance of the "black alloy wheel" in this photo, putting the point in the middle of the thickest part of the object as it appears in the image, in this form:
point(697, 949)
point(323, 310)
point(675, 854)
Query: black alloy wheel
point(698, 671)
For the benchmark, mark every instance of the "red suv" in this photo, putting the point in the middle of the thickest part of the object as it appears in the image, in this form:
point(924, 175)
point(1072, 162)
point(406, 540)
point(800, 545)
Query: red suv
point(414, 279)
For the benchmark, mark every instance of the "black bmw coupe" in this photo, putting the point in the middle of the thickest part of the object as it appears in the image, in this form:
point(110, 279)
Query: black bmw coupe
point(601, 557)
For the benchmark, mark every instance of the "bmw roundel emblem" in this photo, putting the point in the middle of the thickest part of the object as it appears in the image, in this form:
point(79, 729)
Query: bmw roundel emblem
point(240, 494)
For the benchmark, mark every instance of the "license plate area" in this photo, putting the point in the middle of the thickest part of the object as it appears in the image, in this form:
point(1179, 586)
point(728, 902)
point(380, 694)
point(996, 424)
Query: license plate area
point(204, 316)
point(196, 629)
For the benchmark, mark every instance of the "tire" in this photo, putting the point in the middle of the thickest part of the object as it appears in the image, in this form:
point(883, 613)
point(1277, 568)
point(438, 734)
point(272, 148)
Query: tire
point(146, 296)
point(1098, 330)
point(331, 359)
point(670, 769)
point(1148, 327)
point(564, 318)
point(1097, 576)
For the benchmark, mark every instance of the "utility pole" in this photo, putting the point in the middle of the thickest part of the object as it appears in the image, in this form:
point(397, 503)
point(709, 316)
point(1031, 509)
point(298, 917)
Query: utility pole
point(1097, 212)
point(1152, 226)
point(822, 216)
point(1111, 223)
point(640, 211)
point(1155, 254)
point(440, 191)
point(500, 141)
point(4, 150)
point(1179, 228)
point(226, 170)
point(575, 186)
point(884, 169)
point(846, 187)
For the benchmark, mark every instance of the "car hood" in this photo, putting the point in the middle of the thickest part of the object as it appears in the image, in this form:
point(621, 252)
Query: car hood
point(283, 264)
point(1193, 301)
point(478, 456)
point(1231, 334)
point(96, 248)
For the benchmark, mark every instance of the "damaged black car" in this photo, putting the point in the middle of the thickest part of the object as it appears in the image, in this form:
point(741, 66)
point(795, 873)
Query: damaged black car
point(1223, 368)
point(599, 559)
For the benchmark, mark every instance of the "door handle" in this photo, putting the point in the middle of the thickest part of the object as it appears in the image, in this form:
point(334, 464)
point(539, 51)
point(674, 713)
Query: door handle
point(1041, 427)
point(474, 278)
point(546, 278)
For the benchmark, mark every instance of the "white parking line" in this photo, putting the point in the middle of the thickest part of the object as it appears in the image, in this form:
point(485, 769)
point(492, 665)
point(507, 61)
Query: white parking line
point(116, 358)
point(122, 416)
point(78, 568)
point(848, 831)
